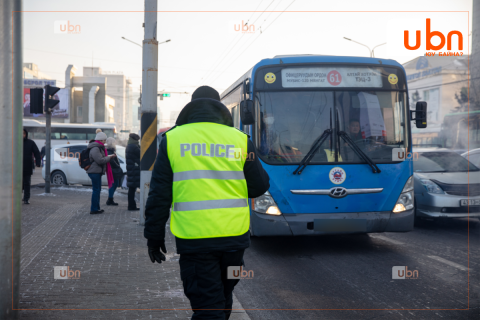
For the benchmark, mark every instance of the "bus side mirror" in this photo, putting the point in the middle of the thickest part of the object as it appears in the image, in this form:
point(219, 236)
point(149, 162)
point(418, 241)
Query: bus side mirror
point(246, 112)
point(420, 115)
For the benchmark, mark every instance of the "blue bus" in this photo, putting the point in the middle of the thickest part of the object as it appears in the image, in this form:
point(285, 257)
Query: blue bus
point(334, 134)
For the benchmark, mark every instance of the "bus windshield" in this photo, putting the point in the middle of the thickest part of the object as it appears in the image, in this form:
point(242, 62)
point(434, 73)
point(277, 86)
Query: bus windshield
point(289, 122)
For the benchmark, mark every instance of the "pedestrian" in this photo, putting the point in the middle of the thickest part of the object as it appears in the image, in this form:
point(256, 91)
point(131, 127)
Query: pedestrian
point(100, 165)
point(196, 175)
point(116, 171)
point(30, 151)
point(132, 153)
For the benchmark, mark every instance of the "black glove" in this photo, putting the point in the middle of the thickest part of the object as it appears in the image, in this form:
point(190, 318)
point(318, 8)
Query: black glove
point(157, 255)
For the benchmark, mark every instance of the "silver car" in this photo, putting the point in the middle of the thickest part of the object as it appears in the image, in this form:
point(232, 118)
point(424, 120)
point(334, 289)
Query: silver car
point(445, 184)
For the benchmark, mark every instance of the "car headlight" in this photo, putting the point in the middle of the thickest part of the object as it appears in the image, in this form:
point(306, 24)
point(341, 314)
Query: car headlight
point(431, 186)
point(266, 204)
point(405, 200)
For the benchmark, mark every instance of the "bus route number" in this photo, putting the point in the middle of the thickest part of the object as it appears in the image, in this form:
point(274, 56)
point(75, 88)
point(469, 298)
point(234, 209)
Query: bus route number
point(334, 78)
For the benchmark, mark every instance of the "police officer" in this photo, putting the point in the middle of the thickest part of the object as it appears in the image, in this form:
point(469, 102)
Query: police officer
point(200, 174)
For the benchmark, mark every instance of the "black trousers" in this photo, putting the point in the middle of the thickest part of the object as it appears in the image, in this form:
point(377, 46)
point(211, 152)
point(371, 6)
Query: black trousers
point(27, 180)
point(131, 198)
point(205, 283)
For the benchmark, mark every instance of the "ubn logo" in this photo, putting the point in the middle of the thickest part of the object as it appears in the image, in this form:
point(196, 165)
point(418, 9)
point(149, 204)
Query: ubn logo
point(402, 272)
point(241, 27)
point(239, 273)
point(62, 154)
point(237, 154)
point(62, 26)
point(400, 154)
point(65, 273)
point(429, 36)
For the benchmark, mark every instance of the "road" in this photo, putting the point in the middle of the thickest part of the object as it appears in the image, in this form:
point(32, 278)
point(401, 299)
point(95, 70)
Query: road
point(355, 272)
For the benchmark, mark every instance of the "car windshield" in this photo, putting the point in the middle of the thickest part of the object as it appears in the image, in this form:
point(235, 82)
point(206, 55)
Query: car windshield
point(442, 162)
point(291, 121)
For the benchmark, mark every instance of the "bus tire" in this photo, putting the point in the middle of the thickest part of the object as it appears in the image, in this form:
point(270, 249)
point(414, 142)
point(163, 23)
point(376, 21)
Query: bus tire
point(58, 178)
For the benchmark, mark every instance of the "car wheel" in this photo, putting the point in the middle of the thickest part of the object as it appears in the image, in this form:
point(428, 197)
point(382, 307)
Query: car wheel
point(58, 178)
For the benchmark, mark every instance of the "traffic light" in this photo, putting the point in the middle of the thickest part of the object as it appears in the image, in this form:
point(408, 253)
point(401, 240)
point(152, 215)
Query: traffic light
point(36, 100)
point(166, 95)
point(49, 93)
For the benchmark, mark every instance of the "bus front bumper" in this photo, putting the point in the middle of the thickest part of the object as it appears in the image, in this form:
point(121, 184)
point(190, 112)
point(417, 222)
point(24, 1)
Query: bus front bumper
point(330, 223)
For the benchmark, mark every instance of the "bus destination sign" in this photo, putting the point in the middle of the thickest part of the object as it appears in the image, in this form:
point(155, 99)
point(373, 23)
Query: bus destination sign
point(331, 77)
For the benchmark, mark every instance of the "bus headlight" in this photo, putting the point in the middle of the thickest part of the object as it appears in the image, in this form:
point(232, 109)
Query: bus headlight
point(405, 201)
point(265, 204)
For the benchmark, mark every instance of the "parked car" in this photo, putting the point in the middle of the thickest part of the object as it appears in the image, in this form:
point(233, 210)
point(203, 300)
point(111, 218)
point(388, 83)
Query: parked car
point(65, 169)
point(445, 184)
point(473, 156)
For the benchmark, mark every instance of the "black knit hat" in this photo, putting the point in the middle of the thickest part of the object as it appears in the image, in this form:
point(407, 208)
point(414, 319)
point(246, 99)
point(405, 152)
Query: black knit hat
point(206, 92)
point(134, 136)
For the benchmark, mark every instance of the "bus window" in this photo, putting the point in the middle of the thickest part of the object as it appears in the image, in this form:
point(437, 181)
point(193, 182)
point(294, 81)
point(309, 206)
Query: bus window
point(91, 136)
point(55, 135)
point(108, 132)
point(75, 136)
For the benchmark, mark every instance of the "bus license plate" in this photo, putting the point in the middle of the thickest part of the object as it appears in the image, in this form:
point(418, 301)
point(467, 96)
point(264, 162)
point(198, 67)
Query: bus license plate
point(340, 225)
point(469, 202)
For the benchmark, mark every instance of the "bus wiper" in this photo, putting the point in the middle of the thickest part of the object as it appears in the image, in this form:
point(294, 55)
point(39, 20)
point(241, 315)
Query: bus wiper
point(359, 151)
point(309, 156)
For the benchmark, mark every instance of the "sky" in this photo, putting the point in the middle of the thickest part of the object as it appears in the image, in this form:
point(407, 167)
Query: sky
point(203, 49)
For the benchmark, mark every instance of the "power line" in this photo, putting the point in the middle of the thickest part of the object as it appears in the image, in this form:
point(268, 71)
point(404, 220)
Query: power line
point(226, 55)
point(254, 40)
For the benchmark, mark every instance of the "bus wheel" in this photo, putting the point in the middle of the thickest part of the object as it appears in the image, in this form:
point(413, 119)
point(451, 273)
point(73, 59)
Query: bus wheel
point(58, 178)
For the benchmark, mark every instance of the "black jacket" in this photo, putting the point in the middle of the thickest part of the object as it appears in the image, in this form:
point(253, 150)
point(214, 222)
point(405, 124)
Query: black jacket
point(157, 209)
point(132, 153)
point(115, 164)
point(30, 150)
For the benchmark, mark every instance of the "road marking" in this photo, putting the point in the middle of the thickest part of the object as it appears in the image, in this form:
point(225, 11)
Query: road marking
point(450, 263)
point(387, 239)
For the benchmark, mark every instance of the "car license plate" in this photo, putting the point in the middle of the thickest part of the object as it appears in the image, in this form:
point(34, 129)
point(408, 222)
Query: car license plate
point(469, 202)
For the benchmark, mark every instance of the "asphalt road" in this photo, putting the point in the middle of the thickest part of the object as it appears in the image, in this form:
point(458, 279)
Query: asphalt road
point(355, 272)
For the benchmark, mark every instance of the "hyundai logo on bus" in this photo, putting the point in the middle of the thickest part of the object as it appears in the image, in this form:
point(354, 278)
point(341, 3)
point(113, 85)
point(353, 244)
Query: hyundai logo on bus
point(338, 192)
point(442, 35)
point(400, 154)
point(402, 272)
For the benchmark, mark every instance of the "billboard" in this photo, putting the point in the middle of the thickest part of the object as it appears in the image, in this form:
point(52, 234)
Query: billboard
point(60, 110)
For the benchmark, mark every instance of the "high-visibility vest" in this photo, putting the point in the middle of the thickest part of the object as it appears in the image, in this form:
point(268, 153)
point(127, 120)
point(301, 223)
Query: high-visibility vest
point(210, 196)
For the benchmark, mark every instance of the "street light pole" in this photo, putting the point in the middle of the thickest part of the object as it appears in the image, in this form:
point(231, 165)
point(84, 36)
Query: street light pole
point(148, 124)
point(373, 50)
point(369, 51)
point(11, 91)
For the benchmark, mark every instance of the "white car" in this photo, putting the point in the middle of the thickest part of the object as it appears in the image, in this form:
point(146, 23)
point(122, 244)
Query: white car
point(64, 167)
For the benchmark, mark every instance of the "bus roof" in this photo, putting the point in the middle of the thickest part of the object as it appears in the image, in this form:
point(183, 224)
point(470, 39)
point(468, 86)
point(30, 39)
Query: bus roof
point(36, 123)
point(307, 58)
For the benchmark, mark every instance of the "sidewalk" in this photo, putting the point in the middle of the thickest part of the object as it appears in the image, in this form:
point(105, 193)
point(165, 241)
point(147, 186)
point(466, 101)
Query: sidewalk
point(110, 252)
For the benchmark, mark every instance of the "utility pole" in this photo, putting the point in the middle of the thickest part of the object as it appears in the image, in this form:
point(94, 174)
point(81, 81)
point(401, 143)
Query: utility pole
point(11, 91)
point(148, 125)
point(49, 105)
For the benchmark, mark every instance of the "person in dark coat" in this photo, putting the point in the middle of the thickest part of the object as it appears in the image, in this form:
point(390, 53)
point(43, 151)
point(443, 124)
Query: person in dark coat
point(30, 151)
point(132, 153)
point(203, 261)
point(116, 170)
point(42, 152)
